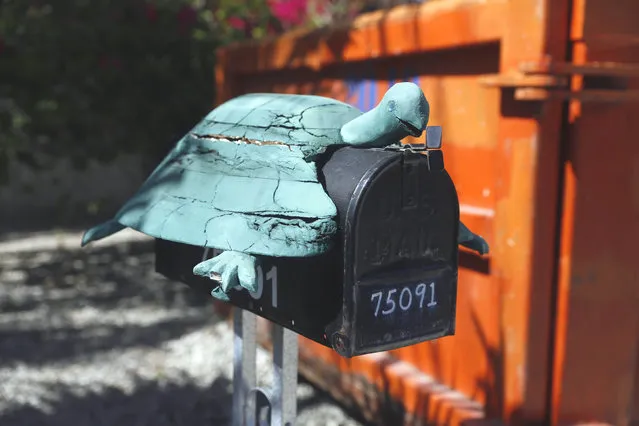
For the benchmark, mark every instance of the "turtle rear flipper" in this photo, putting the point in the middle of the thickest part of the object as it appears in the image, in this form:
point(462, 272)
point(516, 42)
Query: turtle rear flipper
point(471, 240)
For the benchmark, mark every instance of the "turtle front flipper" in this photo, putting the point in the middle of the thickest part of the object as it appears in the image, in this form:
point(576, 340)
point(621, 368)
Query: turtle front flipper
point(101, 231)
point(471, 240)
point(232, 269)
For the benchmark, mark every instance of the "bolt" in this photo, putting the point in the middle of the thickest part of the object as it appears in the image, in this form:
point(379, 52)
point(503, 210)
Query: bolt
point(340, 343)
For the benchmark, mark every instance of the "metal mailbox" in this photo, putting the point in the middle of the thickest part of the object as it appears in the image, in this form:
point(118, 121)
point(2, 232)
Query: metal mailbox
point(391, 278)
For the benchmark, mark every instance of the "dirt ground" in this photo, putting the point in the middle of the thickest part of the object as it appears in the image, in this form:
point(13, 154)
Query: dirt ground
point(95, 337)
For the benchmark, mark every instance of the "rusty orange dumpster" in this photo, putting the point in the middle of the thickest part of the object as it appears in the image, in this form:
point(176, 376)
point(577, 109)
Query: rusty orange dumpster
point(536, 99)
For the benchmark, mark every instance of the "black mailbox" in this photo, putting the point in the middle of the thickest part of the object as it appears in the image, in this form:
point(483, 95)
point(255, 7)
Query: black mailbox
point(391, 279)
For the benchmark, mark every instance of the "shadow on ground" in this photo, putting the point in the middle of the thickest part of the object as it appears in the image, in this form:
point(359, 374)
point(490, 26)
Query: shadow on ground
point(94, 336)
point(61, 304)
point(151, 403)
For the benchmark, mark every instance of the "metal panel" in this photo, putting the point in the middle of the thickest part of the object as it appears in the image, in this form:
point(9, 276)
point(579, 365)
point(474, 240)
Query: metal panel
point(504, 158)
point(596, 360)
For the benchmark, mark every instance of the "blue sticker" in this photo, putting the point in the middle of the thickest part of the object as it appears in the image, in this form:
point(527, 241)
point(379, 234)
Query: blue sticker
point(362, 94)
point(405, 75)
point(372, 94)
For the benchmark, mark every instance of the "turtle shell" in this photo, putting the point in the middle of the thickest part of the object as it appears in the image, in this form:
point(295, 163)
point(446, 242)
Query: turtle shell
point(242, 180)
point(309, 122)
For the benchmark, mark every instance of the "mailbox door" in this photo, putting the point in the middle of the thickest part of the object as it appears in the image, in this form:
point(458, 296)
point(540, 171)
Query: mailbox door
point(399, 229)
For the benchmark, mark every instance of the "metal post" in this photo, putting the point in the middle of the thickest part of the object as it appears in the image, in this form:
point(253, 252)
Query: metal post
point(284, 393)
point(244, 365)
point(251, 404)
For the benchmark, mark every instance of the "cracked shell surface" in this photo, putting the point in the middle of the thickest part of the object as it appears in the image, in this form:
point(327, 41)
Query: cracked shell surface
point(244, 179)
point(310, 122)
point(233, 196)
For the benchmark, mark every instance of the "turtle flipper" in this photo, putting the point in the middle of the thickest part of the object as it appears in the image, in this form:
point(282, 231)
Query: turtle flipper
point(471, 240)
point(101, 231)
point(232, 269)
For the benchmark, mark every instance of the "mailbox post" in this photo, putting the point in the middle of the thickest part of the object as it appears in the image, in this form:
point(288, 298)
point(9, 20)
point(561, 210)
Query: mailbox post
point(390, 281)
point(276, 406)
point(333, 229)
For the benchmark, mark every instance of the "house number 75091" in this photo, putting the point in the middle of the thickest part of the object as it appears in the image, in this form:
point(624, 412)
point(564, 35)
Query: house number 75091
point(387, 302)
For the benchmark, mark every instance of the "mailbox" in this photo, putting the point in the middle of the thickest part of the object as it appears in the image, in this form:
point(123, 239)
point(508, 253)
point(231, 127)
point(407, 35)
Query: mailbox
point(391, 278)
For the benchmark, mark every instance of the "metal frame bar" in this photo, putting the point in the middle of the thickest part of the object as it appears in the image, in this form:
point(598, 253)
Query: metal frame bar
point(284, 392)
point(244, 366)
point(280, 401)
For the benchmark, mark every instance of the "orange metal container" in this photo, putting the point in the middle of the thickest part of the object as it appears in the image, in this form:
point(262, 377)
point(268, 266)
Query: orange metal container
point(540, 139)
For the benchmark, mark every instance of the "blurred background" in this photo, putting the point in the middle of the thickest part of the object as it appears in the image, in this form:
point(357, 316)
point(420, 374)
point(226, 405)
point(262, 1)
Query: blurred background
point(93, 94)
point(537, 100)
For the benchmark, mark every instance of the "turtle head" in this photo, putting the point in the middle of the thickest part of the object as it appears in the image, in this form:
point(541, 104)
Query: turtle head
point(405, 102)
point(403, 111)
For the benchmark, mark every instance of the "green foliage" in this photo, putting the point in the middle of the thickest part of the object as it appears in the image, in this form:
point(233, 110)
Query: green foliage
point(245, 19)
point(89, 79)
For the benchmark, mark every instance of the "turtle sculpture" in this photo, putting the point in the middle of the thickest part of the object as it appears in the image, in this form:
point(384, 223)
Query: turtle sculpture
point(245, 180)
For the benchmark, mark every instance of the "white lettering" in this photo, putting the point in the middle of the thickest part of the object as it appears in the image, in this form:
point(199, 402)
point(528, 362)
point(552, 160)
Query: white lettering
point(405, 300)
point(405, 292)
point(260, 283)
point(390, 301)
point(272, 276)
point(421, 292)
point(432, 302)
point(379, 301)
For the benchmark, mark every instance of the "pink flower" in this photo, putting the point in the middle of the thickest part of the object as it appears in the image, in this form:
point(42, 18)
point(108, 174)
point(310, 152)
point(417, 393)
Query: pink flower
point(237, 23)
point(186, 18)
point(150, 12)
point(104, 62)
point(320, 7)
point(289, 11)
point(270, 29)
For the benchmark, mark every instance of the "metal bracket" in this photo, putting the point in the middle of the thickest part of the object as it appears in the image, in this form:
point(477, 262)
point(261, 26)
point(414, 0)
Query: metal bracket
point(550, 80)
point(253, 406)
point(433, 140)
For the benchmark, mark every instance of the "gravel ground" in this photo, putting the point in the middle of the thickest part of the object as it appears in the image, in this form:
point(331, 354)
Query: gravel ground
point(95, 337)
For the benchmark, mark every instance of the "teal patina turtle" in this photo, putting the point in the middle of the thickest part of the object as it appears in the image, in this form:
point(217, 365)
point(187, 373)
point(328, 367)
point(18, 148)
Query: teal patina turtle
point(244, 180)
